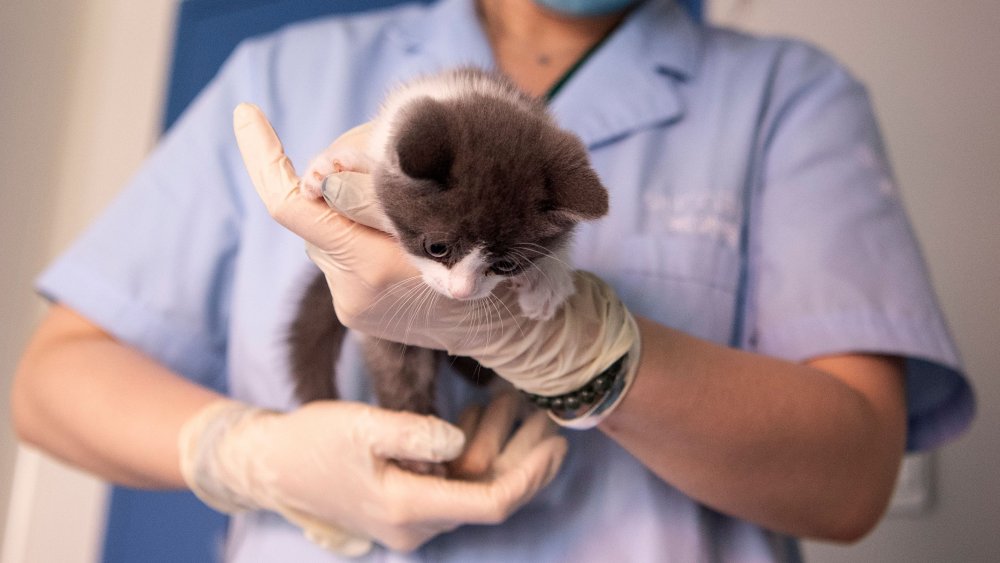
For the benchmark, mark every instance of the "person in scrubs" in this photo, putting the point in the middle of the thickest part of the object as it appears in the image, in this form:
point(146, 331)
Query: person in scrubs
point(755, 298)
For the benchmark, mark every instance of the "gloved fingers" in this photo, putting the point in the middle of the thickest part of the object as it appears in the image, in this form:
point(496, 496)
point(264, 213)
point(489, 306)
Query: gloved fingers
point(422, 498)
point(328, 536)
point(274, 178)
point(409, 436)
point(489, 436)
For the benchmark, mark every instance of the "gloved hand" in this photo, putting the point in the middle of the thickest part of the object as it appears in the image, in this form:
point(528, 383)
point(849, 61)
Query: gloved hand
point(368, 273)
point(325, 467)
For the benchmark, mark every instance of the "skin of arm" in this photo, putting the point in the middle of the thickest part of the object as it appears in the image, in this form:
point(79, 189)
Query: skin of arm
point(809, 449)
point(95, 403)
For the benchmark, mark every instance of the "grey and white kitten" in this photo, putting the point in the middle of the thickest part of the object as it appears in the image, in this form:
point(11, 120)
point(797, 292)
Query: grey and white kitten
point(480, 186)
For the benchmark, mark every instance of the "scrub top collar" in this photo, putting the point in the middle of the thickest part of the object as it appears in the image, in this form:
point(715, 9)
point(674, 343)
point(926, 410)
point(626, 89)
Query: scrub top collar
point(445, 35)
point(629, 84)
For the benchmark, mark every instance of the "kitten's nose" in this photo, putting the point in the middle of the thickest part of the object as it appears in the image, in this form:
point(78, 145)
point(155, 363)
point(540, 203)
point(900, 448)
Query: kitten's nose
point(460, 288)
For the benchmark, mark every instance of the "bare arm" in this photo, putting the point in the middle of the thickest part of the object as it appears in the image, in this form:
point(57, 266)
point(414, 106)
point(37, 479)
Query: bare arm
point(100, 405)
point(810, 450)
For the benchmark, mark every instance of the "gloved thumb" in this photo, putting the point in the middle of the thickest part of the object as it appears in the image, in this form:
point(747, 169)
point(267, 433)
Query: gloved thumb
point(270, 170)
point(353, 194)
point(409, 436)
point(276, 182)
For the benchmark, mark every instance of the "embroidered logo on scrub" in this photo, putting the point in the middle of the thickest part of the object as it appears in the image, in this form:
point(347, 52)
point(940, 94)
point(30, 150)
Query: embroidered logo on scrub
point(709, 215)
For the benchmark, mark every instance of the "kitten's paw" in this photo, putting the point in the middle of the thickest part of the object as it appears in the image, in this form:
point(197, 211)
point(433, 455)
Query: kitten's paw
point(312, 180)
point(329, 162)
point(536, 306)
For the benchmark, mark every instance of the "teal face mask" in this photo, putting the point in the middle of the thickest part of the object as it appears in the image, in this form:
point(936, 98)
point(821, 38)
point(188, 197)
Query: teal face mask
point(585, 7)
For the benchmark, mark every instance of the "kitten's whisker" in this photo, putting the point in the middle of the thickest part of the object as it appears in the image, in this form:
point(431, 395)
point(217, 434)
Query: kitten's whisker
point(413, 304)
point(535, 247)
point(402, 351)
point(480, 319)
point(400, 292)
point(542, 251)
point(488, 315)
point(522, 258)
point(404, 281)
point(392, 291)
point(519, 258)
point(548, 279)
point(497, 311)
point(468, 313)
point(425, 301)
point(401, 304)
point(401, 300)
point(512, 315)
point(418, 302)
point(487, 319)
point(541, 255)
point(430, 306)
point(541, 270)
point(476, 320)
point(462, 321)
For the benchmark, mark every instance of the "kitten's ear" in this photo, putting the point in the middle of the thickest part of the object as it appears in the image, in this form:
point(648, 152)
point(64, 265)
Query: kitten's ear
point(424, 145)
point(575, 190)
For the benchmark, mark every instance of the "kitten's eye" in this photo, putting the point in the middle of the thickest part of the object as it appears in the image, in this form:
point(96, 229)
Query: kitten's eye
point(504, 266)
point(436, 249)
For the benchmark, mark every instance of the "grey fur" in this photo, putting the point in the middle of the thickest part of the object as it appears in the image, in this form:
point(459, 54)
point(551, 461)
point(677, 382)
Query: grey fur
point(476, 170)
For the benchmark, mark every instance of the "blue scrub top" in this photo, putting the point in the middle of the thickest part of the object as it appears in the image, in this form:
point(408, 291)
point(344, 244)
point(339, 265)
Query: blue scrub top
point(751, 205)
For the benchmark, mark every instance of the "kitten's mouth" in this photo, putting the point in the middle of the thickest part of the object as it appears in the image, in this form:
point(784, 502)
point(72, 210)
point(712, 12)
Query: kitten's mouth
point(474, 297)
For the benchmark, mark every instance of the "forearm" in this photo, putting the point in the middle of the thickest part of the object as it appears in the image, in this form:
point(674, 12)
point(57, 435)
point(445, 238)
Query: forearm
point(791, 447)
point(89, 400)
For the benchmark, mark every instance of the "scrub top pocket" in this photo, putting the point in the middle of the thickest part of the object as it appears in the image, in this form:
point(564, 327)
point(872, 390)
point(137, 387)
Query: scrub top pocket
point(685, 281)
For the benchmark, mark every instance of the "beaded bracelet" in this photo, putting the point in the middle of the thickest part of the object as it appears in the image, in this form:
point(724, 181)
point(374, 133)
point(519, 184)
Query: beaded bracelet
point(587, 406)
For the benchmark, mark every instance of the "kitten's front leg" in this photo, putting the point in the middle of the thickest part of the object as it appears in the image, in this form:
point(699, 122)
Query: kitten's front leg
point(543, 288)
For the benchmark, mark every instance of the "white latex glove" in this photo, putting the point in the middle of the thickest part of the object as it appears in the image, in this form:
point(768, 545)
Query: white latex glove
point(369, 274)
point(325, 467)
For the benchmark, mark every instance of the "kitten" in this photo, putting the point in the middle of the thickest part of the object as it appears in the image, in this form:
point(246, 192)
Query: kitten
point(480, 186)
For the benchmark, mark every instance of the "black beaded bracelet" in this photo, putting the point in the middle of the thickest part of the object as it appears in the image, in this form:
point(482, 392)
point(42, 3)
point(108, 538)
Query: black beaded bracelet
point(590, 393)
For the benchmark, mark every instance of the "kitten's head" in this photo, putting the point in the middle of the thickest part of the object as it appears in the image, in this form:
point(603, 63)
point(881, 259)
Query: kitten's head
point(479, 188)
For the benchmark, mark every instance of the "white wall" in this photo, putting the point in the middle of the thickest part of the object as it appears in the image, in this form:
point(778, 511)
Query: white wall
point(81, 86)
point(932, 68)
point(32, 68)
